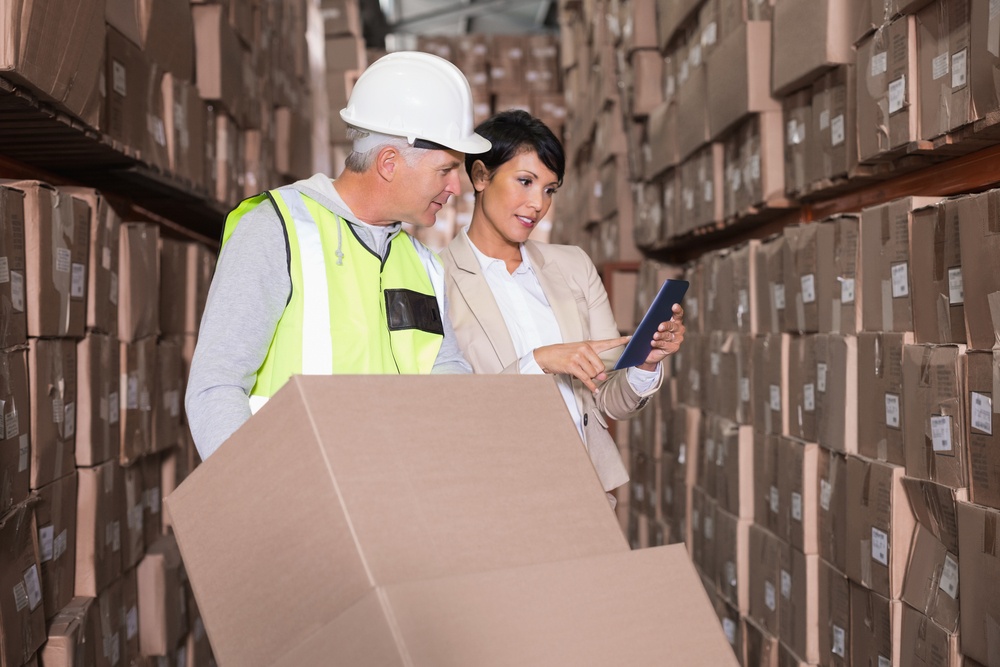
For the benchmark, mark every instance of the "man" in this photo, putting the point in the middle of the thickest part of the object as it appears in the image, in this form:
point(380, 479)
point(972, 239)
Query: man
point(317, 277)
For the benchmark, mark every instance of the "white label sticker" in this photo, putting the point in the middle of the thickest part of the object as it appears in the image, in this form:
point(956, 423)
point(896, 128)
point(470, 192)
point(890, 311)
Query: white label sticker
point(115, 649)
point(113, 290)
point(58, 410)
point(809, 397)
point(956, 290)
point(60, 544)
point(34, 587)
point(640, 492)
point(778, 289)
point(797, 506)
point(23, 447)
point(941, 433)
point(20, 596)
point(118, 78)
point(769, 600)
point(774, 499)
point(132, 392)
point(709, 449)
point(837, 134)
point(116, 536)
point(958, 69)
point(730, 573)
point(949, 577)
point(884, 661)
point(892, 410)
point(939, 66)
point(730, 629)
point(46, 536)
point(709, 191)
point(755, 167)
point(825, 493)
point(720, 455)
point(694, 377)
point(982, 413)
point(12, 424)
point(106, 258)
point(897, 94)
point(808, 288)
point(821, 377)
point(710, 35)
point(64, 260)
point(880, 546)
point(715, 361)
point(824, 119)
point(4, 271)
point(847, 290)
point(132, 623)
point(900, 280)
point(839, 641)
point(114, 407)
point(744, 301)
point(786, 585)
point(17, 291)
point(880, 63)
point(69, 424)
point(154, 500)
point(775, 398)
point(709, 528)
point(744, 390)
point(79, 281)
point(682, 454)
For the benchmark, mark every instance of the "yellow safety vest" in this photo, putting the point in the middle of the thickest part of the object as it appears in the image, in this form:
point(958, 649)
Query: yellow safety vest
point(350, 312)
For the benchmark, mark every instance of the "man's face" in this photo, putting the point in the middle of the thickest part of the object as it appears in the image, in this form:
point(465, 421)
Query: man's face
point(421, 190)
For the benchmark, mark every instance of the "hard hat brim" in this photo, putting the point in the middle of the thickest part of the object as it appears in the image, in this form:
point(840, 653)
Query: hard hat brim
point(474, 144)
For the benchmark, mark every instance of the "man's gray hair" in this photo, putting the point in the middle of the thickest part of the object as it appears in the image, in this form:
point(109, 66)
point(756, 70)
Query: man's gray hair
point(368, 144)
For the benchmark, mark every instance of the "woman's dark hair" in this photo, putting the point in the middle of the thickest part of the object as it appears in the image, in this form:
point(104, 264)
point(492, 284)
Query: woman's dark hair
point(513, 132)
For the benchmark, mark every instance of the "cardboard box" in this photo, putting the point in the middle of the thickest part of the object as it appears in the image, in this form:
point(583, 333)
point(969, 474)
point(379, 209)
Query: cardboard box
point(55, 515)
point(798, 520)
point(22, 609)
point(739, 71)
point(73, 635)
point(98, 403)
point(646, 85)
point(799, 606)
point(831, 474)
point(984, 59)
point(843, 295)
point(936, 435)
point(139, 287)
point(732, 559)
point(797, 62)
point(984, 428)
point(767, 497)
point(720, 308)
point(133, 534)
point(836, 392)
point(755, 177)
point(834, 114)
point(152, 498)
point(765, 591)
point(734, 477)
point(703, 550)
point(102, 274)
point(218, 58)
point(12, 268)
point(341, 17)
point(876, 627)
point(168, 35)
point(745, 276)
point(978, 568)
point(98, 528)
point(692, 100)
point(800, 142)
point(761, 646)
point(944, 60)
point(129, 616)
point(126, 102)
point(162, 609)
point(671, 16)
point(185, 125)
point(110, 647)
point(15, 446)
point(770, 284)
point(888, 105)
point(834, 624)
point(52, 382)
point(168, 396)
point(732, 627)
point(802, 382)
point(925, 642)
point(56, 234)
point(809, 268)
point(689, 367)
point(139, 368)
point(59, 52)
point(979, 217)
point(881, 427)
point(938, 298)
point(879, 528)
point(770, 391)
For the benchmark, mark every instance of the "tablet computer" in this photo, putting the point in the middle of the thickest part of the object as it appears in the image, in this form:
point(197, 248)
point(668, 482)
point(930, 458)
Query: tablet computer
point(661, 310)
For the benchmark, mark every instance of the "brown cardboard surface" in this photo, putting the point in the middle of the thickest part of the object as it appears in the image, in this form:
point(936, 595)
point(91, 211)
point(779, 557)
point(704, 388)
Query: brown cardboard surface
point(834, 113)
point(126, 102)
point(770, 392)
point(72, 635)
point(720, 308)
point(978, 570)
point(881, 425)
point(364, 516)
point(168, 38)
point(739, 73)
point(834, 624)
point(924, 642)
point(129, 615)
point(767, 497)
point(22, 611)
point(809, 267)
point(162, 613)
point(770, 284)
point(984, 55)
point(110, 648)
point(936, 435)
point(844, 296)
point(671, 15)
point(98, 528)
point(938, 299)
point(15, 445)
point(689, 367)
point(754, 166)
point(98, 404)
point(800, 140)
point(879, 527)
point(647, 83)
point(732, 562)
point(888, 106)
point(133, 534)
point(798, 520)
point(831, 476)
point(185, 128)
point(799, 607)
point(218, 57)
point(12, 265)
point(732, 627)
point(745, 276)
point(836, 392)
point(139, 368)
point(734, 477)
point(765, 592)
point(139, 286)
point(762, 647)
point(662, 140)
point(152, 501)
point(692, 98)
point(52, 381)
point(802, 381)
point(102, 275)
point(932, 579)
point(876, 627)
point(797, 62)
point(55, 515)
point(944, 58)
point(980, 241)
point(984, 428)
point(168, 398)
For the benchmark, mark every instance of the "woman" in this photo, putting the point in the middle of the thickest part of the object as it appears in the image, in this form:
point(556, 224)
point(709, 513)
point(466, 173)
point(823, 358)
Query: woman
point(518, 306)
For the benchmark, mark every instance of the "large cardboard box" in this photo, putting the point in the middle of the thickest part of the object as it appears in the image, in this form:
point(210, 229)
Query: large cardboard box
point(57, 230)
point(979, 217)
point(836, 392)
point(834, 627)
point(765, 564)
point(944, 63)
point(881, 426)
point(22, 609)
point(831, 475)
point(127, 106)
point(888, 106)
point(152, 498)
point(982, 371)
point(702, 180)
point(110, 643)
point(770, 284)
point(800, 140)
point(692, 100)
point(761, 646)
point(925, 642)
point(661, 152)
point(135, 394)
point(978, 572)
point(844, 296)
point(745, 276)
point(770, 391)
point(162, 608)
point(767, 496)
point(15, 441)
point(102, 274)
point(798, 486)
point(52, 381)
point(371, 545)
point(800, 602)
point(219, 58)
point(98, 404)
point(720, 309)
point(932, 579)
point(732, 559)
point(14, 331)
point(802, 381)
point(984, 53)
point(734, 459)
point(876, 628)
point(739, 73)
point(55, 515)
point(691, 370)
point(133, 534)
point(834, 113)
point(809, 268)
point(98, 528)
point(809, 38)
point(938, 298)
point(185, 128)
point(936, 435)
point(168, 397)
point(879, 527)
point(754, 164)
point(887, 284)
point(670, 17)
point(73, 635)
point(129, 616)
point(139, 286)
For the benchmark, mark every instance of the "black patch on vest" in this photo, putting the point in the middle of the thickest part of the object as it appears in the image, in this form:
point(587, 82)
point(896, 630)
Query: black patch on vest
point(406, 309)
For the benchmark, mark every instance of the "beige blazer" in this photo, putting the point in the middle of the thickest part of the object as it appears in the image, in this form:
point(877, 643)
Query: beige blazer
point(581, 307)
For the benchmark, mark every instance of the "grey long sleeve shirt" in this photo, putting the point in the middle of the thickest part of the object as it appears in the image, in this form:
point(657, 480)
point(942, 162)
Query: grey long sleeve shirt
point(246, 299)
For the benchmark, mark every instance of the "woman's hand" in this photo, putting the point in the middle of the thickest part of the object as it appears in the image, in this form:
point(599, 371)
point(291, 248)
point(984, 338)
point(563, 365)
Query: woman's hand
point(581, 360)
point(666, 340)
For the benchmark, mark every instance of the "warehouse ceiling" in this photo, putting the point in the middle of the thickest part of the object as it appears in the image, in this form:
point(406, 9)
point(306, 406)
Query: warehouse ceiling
point(406, 18)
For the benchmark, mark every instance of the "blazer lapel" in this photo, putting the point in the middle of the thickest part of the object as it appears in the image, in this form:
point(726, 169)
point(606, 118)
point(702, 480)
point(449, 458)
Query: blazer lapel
point(479, 298)
point(557, 291)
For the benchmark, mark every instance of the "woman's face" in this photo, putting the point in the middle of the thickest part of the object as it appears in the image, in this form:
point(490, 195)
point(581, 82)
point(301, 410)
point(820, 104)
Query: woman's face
point(517, 197)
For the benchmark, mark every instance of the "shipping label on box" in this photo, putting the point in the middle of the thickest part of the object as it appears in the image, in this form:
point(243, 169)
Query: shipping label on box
point(880, 396)
point(15, 440)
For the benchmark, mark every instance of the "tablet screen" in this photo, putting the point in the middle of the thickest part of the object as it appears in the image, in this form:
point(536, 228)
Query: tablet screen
point(661, 310)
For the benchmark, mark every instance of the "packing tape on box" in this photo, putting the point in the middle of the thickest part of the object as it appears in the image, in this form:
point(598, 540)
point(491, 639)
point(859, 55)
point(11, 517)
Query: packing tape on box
point(943, 303)
point(866, 561)
point(887, 305)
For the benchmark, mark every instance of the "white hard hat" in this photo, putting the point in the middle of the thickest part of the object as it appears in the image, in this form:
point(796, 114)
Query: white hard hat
point(417, 96)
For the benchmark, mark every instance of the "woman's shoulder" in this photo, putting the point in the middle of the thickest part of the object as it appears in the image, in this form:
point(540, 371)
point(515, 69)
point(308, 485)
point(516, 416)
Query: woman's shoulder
point(564, 254)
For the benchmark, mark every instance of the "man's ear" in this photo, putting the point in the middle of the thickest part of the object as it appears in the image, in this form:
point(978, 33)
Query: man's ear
point(480, 176)
point(387, 162)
